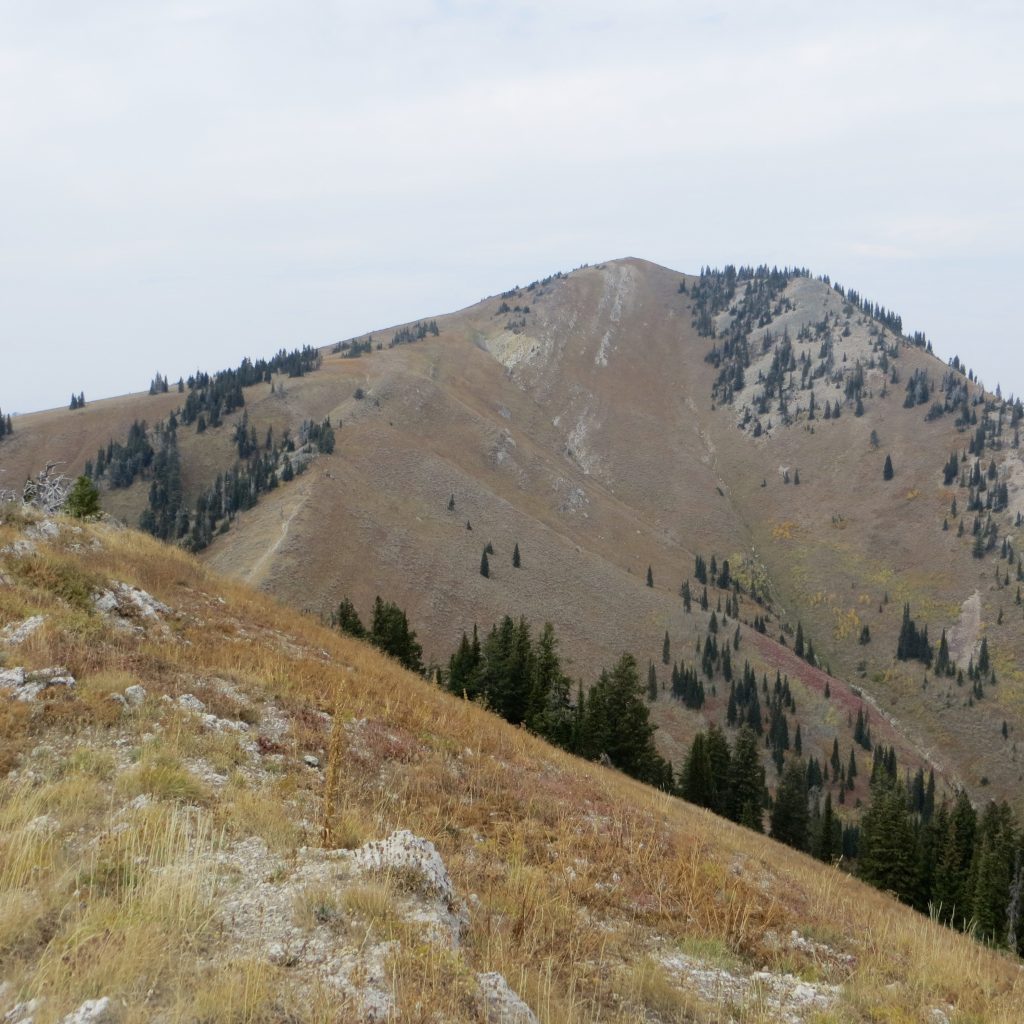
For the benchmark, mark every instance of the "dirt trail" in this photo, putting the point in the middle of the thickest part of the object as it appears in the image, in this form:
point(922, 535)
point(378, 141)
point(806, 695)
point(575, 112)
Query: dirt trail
point(963, 637)
point(256, 572)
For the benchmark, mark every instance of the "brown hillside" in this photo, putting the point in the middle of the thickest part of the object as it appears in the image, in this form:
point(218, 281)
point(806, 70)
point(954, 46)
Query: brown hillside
point(585, 431)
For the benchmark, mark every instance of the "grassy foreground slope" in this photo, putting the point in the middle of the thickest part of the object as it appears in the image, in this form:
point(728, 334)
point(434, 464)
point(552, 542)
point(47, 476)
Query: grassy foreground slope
point(198, 851)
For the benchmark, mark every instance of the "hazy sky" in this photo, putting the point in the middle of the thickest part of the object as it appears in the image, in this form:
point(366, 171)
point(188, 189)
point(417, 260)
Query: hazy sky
point(185, 183)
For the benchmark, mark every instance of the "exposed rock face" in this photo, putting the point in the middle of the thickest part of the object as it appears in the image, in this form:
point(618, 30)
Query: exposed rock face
point(92, 1011)
point(18, 632)
point(259, 910)
point(135, 695)
point(28, 685)
point(788, 998)
point(501, 1004)
point(403, 851)
point(129, 607)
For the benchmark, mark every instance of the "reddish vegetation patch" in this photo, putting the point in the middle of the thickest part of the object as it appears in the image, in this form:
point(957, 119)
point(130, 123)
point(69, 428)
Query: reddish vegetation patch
point(372, 742)
point(841, 694)
point(813, 678)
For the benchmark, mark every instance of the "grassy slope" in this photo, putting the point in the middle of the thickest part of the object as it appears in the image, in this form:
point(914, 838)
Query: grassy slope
point(584, 882)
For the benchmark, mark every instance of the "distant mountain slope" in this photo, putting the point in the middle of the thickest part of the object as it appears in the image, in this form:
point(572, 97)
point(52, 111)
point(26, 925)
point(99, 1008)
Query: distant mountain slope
point(607, 421)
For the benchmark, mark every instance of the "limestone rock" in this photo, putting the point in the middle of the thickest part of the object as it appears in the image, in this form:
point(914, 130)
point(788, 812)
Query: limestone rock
point(92, 1011)
point(501, 1004)
point(18, 632)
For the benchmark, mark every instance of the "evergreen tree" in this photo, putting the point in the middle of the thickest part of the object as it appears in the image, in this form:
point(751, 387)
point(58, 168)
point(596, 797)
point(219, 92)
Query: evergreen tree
point(346, 618)
point(825, 846)
point(652, 683)
point(887, 471)
point(665, 648)
point(464, 668)
point(390, 633)
point(983, 658)
point(790, 816)
point(485, 568)
point(950, 893)
point(943, 665)
point(622, 721)
point(697, 783)
point(650, 577)
point(747, 791)
point(887, 845)
point(508, 674)
point(719, 758)
point(549, 711)
point(516, 560)
point(991, 873)
point(83, 499)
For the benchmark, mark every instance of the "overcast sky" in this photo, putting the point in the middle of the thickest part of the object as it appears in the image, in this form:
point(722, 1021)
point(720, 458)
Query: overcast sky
point(185, 183)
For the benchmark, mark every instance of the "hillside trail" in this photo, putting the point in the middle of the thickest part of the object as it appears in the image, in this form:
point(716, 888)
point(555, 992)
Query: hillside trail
point(963, 637)
point(288, 513)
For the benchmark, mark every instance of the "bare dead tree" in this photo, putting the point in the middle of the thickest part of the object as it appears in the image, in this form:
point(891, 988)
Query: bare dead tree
point(48, 491)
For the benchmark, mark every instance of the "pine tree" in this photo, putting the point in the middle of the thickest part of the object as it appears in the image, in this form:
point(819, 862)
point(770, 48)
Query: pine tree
point(390, 633)
point(719, 758)
point(346, 618)
point(790, 816)
point(549, 712)
point(943, 665)
point(888, 851)
point(665, 648)
point(83, 499)
point(507, 673)
point(991, 871)
point(652, 683)
point(622, 722)
point(887, 471)
point(824, 844)
point(697, 784)
point(747, 792)
point(485, 568)
point(464, 668)
point(650, 577)
point(950, 892)
point(516, 560)
point(983, 657)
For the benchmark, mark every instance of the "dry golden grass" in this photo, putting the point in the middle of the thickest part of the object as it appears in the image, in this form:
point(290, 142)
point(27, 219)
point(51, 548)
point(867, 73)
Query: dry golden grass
point(580, 878)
